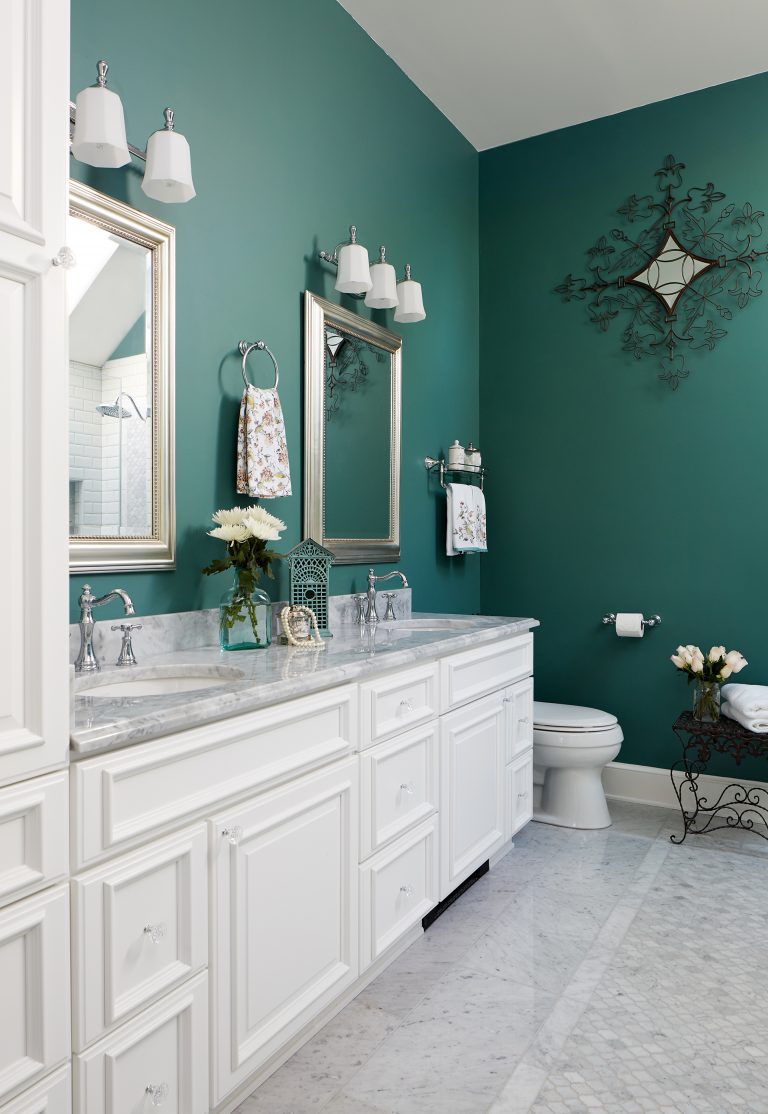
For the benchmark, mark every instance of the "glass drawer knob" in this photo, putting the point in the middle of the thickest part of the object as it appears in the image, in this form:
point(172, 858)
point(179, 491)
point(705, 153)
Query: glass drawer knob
point(407, 787)
point(524, 719)
point(233, 834)
point(407, 890)
point(65, 258)
point(522, 796)
point(406, 705)
point(158, 1092)
point(155, 932)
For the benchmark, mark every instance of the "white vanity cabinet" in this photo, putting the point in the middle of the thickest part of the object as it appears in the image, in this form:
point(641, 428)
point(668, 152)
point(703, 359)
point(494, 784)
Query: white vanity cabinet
point(239, 881)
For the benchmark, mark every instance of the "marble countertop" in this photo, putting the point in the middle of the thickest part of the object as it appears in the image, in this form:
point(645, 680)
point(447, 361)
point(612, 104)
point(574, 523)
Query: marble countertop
point(260, 678)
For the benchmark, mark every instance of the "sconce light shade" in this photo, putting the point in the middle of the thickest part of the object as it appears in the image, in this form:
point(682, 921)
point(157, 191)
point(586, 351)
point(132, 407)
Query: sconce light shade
point(383, 292)
point(99, 138)
point(410, 302)
point(354, 274)
point(168, 176)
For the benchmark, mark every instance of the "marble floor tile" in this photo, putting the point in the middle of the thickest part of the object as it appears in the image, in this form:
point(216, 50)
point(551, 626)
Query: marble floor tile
point(456, 1050)
point(603, 971)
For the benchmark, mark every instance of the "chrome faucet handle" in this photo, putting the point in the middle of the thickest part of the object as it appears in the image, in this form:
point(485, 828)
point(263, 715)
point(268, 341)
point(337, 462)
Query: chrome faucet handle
point(360, 608)
point(126, 650)
point(389, 614)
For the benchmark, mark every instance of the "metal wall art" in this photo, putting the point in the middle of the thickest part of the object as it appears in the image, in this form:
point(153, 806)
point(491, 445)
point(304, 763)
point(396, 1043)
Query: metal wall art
point(678, 277)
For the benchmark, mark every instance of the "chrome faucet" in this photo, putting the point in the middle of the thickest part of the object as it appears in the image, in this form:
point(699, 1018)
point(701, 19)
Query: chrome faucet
point(86, 660)
point(370, 615)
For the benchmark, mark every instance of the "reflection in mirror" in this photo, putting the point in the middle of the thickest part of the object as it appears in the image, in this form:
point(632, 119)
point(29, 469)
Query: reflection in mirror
point(352, 440)
point(121, 386)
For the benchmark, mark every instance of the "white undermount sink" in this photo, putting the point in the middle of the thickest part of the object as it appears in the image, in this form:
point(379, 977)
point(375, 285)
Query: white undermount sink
point(160, 681)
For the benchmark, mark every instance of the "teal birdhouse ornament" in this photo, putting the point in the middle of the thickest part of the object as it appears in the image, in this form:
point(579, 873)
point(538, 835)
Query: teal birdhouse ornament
point(310, 565)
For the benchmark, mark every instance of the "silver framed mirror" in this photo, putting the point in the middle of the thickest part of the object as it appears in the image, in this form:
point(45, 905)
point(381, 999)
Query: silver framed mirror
point(352, 397)
point(121, 386)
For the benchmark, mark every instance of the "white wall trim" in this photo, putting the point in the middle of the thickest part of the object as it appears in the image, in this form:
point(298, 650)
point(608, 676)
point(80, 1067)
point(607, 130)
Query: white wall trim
point(651, 785)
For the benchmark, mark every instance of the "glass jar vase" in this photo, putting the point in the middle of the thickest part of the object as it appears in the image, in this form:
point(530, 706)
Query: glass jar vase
point(706, 701)
point(245, 617)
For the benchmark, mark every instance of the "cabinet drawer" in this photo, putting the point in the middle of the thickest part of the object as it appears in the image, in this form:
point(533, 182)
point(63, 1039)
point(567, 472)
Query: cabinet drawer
point(519, 793)
point(398, 887)
point(119, 798)
point(160, 1058)
point(34, 989)
point(518, 700)
point(399, 786)
point(397, 703)
point(52, 1096)
point(34, 835)
point(140, 928)
point(475, 673)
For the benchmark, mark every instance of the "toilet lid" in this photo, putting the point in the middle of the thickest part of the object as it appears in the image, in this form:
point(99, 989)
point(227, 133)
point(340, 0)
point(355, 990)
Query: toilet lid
point(571, 717)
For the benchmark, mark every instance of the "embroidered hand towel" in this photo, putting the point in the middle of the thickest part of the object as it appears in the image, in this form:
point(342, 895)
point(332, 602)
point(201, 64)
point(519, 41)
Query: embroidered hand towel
point(262, 453)
point(465, 533)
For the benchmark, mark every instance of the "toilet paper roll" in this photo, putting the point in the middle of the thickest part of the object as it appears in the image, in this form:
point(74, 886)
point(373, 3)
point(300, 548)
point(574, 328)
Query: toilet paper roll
point(629, 624)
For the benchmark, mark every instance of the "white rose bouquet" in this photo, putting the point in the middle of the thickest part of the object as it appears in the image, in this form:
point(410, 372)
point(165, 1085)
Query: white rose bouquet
point(708, 670)
point(247, 532)
point(717, 665)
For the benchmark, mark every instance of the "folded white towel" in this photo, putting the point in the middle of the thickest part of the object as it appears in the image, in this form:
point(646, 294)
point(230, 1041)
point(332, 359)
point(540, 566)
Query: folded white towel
point(750, 700)
point(465, 520)
point(757, 723)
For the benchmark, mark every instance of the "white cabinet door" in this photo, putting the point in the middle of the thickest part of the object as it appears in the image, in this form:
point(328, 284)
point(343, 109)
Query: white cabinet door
point(284, 925)
point(399, 788)
point(158, 1059)
point(34, 988)
point(472, 752)
point(140, 928)
point(34, 830)
point(34, 94)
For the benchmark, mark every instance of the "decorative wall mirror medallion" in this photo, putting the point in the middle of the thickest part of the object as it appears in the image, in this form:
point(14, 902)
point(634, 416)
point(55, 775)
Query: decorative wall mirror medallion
point(352, 392)
point(121, 386)
point(677, 275)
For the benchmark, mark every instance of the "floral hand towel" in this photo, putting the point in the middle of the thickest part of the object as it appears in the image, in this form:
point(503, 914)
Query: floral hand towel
point(465, 527)
point(262, 453)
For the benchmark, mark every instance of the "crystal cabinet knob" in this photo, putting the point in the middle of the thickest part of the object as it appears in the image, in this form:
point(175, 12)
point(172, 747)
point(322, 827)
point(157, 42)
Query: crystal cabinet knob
point(233, 834)
point(158, 1092)
point(65, 258)
point(156, 932)
point(407, 787)
point(406, 705)
point(522, 796)
point(407, 890)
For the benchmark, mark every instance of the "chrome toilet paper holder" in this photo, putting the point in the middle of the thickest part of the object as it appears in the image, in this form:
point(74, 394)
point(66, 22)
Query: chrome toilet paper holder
point(610, 620)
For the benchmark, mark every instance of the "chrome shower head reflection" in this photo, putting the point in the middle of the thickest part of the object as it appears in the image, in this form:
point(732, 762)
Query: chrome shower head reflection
point(115, 410)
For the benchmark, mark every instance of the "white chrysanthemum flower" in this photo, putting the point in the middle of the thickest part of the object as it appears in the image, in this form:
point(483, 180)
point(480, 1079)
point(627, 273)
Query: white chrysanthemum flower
point(258, 514)
point(231, 518)
point(264, 531)
point(230, 533)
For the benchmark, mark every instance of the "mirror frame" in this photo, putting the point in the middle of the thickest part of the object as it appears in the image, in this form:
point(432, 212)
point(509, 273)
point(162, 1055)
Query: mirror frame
point(155, 551)
point(318, 315)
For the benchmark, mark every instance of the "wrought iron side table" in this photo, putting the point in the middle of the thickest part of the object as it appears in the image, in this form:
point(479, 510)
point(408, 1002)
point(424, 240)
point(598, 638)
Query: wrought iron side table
point(737, 805)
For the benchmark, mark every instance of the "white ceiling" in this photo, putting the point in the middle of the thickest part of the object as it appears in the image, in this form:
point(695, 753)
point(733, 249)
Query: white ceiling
point(501, 70)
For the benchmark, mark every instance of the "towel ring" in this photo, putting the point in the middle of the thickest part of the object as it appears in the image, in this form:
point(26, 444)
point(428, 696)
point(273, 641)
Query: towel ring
point(247, 347)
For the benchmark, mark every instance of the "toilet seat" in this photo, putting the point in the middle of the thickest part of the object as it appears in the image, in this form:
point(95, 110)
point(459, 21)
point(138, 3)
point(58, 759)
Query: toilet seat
point(570, 718)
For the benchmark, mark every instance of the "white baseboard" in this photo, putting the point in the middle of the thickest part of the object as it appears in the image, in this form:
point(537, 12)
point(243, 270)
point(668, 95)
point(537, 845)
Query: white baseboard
point(651, 785)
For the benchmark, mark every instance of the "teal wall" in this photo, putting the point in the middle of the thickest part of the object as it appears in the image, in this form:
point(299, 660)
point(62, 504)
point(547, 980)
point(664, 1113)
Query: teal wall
point(610, 492)
point(299, 125)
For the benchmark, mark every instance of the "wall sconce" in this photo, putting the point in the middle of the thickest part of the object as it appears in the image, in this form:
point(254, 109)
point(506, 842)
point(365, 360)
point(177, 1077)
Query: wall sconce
point(98, 138)
point(376, 282)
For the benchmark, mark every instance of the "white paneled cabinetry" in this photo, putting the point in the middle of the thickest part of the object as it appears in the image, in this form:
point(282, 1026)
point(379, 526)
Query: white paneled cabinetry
point(35, 1046)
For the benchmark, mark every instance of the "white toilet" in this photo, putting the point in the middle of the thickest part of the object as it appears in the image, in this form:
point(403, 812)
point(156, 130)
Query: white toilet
point(571, 745)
